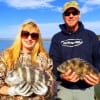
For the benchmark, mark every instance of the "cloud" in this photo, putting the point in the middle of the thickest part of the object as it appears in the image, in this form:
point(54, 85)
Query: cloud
point(9, 31)
point(93, 2)
point(89, 5)
point(57, 8)
point(90, 2)
point(49, 29)
point(85, 9)
point(31, 4)
point(94, 26)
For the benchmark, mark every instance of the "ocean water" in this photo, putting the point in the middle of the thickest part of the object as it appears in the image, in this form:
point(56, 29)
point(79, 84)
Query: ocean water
point(5, 43)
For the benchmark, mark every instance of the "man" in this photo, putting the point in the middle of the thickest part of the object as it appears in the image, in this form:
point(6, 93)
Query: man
point(74, 41)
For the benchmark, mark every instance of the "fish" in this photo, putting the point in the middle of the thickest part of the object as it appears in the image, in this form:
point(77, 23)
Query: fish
point(80, 66)
point(26, 73)
point(29, 74)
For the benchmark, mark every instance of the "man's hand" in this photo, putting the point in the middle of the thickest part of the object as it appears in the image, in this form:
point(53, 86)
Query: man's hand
point(92, 79)
point(69, 76)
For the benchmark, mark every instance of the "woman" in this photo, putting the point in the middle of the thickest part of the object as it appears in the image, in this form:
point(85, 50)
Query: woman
point(28, 49)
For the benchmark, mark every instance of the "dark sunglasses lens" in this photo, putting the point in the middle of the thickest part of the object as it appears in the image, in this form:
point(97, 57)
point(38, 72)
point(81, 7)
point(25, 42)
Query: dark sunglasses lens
point(73, 13)
point(24, 34)
point(34, 35)
point(66, 14)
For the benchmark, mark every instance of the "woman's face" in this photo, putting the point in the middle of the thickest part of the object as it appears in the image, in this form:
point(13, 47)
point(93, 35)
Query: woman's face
point(29, 36)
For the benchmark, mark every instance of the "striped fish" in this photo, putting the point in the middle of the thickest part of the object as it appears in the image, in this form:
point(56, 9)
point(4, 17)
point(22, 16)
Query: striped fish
point(80, 66)
point(26, 73)
point(36, 78)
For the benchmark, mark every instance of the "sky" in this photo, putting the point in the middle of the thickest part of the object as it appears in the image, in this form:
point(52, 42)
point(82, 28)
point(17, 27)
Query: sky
point(46, 13)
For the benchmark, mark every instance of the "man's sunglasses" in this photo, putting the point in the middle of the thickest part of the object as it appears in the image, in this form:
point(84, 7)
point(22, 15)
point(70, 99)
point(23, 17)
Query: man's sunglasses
point(74, 13)
point(26, 34)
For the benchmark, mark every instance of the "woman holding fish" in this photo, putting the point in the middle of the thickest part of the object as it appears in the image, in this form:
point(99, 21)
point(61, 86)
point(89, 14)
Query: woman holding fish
point(26, 51)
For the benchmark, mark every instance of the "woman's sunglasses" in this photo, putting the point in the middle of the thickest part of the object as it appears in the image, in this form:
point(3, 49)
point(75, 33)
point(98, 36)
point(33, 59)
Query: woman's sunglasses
point(74, 13)
point(26, 34)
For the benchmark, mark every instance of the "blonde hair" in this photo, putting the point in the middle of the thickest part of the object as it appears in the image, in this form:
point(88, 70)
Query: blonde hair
point(12, 53)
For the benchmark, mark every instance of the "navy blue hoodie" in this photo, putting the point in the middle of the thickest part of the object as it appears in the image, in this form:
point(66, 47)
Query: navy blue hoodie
point(82, 44)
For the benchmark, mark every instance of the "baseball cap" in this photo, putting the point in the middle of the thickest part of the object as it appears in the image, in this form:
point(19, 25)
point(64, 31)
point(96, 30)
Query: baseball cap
point(71, 4)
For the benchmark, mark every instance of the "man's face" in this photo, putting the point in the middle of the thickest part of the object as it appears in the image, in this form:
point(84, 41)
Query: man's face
point(71, 17)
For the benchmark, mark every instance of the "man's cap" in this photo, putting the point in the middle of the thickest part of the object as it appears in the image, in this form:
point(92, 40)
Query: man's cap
point(71, 4)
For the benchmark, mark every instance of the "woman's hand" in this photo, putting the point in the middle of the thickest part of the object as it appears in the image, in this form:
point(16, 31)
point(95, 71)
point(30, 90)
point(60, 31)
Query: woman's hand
point(92, 79)
point(39, 88)
point(69, 76)
point(23, 89)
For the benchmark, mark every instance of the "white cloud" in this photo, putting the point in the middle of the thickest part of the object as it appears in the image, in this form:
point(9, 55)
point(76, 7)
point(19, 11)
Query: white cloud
point(89, 5)
point(94, 26)
point(9, 31)
point(90, 2)
point(86, 9)
point(49, 29)
point(93, 2)
point(31, 4)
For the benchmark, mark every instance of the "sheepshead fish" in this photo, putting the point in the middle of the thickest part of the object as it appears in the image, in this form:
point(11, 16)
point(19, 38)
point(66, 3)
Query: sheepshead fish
point(36, 78)
point(80, 66)
point(26, 73)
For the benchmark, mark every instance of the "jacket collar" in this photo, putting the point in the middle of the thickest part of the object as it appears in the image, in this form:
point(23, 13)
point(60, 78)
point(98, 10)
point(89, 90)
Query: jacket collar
point(65, 31)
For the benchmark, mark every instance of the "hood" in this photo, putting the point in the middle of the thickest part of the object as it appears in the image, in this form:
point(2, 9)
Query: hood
point(64, 30)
